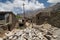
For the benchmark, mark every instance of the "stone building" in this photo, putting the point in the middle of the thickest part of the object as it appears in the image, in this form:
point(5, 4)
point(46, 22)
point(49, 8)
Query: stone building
point(41, 17)
point(7, 20)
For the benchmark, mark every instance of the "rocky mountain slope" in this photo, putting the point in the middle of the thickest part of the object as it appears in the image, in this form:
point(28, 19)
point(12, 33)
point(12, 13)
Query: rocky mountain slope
point(53, 8)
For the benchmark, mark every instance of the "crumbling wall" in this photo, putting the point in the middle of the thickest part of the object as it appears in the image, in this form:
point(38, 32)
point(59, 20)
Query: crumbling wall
point(42, 17)
point(55, 19)
point(13, 20)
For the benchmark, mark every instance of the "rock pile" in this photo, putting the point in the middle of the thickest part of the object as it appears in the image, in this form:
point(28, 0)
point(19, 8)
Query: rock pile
point(37, 33)
point(26, 34)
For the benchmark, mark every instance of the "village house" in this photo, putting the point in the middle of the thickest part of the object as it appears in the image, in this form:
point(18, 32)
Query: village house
point(7, 20)
point(41, 17)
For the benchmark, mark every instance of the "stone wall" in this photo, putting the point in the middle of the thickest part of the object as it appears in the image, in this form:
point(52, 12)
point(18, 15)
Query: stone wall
point(52, 18)
point(42, 17)
point(13, 20)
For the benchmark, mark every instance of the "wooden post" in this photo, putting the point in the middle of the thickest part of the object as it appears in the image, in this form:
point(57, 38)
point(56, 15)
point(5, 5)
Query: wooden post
point(24, 10)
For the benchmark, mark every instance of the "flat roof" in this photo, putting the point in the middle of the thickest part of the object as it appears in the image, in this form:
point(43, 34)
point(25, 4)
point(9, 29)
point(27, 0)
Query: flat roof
point(3, 12)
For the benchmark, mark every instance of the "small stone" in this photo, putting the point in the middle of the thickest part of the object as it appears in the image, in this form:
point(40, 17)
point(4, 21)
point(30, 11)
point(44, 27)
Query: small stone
point(55, 36)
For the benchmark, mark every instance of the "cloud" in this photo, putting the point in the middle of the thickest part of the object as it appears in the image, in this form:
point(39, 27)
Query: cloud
point(17, 5)
point(53, 1)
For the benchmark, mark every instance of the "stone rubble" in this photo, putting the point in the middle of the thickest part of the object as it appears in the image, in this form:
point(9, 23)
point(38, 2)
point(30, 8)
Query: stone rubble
point(35, 33)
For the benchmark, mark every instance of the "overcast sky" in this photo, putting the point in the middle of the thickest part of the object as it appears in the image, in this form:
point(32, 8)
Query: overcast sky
point(17, 5)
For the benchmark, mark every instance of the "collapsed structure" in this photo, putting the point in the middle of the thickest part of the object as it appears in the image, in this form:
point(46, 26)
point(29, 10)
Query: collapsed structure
point(41, 17)
point(7, 20)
